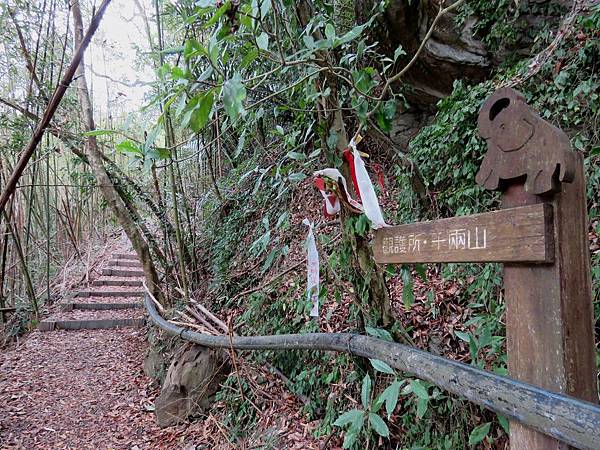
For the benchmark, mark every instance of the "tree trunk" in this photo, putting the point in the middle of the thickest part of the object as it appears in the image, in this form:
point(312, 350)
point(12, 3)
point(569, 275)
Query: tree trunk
point(371, 293)
point(95, 158)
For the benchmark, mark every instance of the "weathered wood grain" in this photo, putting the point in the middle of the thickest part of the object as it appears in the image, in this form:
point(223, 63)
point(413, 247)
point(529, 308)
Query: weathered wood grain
point(98, 324)
point(522, 144)
point(549, 313)
point(125, 263)
point(122, 272)
point(125, 256)
point(522, 234)
point(112, 282)
point(100, 306)
point(84, 294)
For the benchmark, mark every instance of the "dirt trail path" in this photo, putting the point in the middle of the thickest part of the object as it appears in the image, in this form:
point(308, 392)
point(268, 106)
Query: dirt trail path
point(81, 389)
point(76, 390)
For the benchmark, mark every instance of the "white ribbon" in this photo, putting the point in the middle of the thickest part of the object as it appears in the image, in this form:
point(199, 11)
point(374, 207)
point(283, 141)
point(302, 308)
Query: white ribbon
point(367, 191)
point(312, 270)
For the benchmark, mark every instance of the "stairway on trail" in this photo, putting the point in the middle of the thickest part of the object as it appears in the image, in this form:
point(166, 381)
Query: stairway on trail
point(112, 301)
point(81, 385)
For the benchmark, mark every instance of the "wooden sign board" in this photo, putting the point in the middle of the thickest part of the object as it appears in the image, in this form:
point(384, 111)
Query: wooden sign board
point(522, 234)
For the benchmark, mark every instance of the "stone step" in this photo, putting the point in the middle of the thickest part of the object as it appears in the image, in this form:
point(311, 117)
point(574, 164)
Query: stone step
point(125, 256)
point(113, 282)
point(51, 325)
point(83, 294)
point(100, 306)
point(125, 263)
point(115, 272)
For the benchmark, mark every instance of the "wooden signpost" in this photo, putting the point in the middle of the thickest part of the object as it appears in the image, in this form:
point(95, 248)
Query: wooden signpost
point(541, 237)
point(517, 234)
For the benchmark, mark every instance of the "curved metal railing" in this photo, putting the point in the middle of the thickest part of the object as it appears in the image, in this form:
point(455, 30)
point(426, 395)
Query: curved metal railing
point(565, 418)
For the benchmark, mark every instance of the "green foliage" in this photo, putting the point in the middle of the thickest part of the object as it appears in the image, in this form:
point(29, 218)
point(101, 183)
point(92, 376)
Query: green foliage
point(234, 94)
point(357, 418)
point(197, 111)
point(503, 24)
point(276, 142)
point(479, 433)
point(448, 153)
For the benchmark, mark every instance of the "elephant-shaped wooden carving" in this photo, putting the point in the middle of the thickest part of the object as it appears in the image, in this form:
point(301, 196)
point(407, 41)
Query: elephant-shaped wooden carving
point(520, 143)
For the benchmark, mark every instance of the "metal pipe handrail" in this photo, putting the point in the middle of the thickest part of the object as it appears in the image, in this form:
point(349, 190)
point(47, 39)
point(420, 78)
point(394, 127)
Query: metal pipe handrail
point(565, 418)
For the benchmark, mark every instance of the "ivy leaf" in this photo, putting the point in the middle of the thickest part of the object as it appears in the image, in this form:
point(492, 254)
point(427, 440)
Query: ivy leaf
point(382, 367)
point(361, 107)
point(348, 417)
point(419, 390)
point(363, 79)
point(365, 391)
point(202, 112)
point(129, 147)
point(234, 94)
point(379, 333)
point(329, 32)
point(379, 425)
point(479, 433)
point(398, 52)
point(263, 41)
point(422, 407)
point(385, 115)
point(389, 109)
point(99, 132)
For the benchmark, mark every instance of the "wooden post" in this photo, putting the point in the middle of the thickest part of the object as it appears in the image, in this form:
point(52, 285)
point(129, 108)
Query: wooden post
point(549, 312)
point(541, 237)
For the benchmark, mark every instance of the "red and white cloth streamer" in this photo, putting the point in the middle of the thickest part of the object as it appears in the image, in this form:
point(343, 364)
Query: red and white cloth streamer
point(332, 204)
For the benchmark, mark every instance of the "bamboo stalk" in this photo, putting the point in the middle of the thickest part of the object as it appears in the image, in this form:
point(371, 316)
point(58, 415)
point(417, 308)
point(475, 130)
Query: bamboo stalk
point(52, 107)
point(24, 269)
